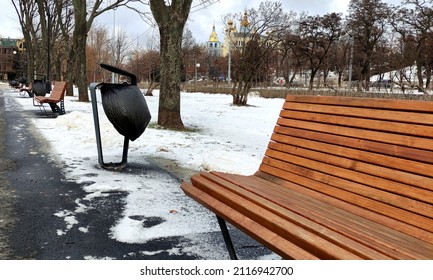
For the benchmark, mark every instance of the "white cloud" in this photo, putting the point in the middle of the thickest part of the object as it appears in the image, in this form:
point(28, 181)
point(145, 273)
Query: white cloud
point(339, 6)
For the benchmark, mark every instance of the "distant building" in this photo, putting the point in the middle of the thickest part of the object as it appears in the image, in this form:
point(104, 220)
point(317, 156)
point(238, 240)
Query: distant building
point(216, 63)
point(232, 37)
point(214, 46)
point(9, 52)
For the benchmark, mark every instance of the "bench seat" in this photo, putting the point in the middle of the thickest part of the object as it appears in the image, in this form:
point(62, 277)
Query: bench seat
point(300, 220)
point(56, 96)
point(342, 178)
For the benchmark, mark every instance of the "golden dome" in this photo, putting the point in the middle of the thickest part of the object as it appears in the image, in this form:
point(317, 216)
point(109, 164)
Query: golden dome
point(245, 22)
point(213, 36)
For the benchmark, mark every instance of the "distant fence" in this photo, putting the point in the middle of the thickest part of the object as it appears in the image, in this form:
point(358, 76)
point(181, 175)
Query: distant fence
point(282, 92)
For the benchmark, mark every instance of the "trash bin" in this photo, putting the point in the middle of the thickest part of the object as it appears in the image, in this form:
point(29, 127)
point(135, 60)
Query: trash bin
point(125, 107)
point(38, 88)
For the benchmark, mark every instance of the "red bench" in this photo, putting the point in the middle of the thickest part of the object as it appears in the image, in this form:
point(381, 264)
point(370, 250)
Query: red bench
point(56, 97)
point(342, 178)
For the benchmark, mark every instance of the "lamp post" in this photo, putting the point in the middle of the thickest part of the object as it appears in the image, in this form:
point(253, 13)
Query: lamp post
point(17, 60)
point(197, 65)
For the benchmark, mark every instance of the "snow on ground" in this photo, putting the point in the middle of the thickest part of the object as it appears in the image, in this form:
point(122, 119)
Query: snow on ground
point(221, 137)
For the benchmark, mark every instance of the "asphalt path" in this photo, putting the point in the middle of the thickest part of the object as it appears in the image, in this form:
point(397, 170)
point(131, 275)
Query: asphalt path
point(33, 188)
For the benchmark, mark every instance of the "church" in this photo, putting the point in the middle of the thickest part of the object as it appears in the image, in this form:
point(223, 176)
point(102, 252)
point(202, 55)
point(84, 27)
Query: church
point(233, 37)
point(219, 53)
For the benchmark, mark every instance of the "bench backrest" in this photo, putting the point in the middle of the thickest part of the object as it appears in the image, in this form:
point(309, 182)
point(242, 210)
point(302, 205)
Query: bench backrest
point(58, 92)
point(358, 154)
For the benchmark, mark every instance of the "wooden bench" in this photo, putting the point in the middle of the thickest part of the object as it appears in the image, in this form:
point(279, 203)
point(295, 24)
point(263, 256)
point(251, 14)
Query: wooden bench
point(342, 178)
point(56, 97)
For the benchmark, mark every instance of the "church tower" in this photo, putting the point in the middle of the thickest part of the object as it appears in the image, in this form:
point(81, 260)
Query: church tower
point(245, 24)
point(214, 45)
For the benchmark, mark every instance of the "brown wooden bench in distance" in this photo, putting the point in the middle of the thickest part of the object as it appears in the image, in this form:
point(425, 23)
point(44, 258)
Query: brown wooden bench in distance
point(342, 178)
point(56, 97)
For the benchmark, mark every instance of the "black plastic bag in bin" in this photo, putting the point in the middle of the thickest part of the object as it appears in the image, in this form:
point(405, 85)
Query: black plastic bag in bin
point(125, 108)
point(38, 88)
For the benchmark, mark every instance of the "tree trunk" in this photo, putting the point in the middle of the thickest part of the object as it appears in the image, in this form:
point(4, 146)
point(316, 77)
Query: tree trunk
point(312, 76)
point(169, 98)
point(428, 77)
point(240, 93)
point(171, 21)
point(81, 74)
point(419, 76)
point(79, 45)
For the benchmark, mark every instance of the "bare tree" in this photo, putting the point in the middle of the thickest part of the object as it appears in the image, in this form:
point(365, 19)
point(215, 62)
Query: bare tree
point(98, 51)
point(40, 22)
point(64, 16)
point(84, 14)
point(120, 47)
point(316, 36)
point(367, 22)
point(55, 18)
point(414, 22)
point(27, 11)
point(340, 57)
point(291, 58)
point(260, 33)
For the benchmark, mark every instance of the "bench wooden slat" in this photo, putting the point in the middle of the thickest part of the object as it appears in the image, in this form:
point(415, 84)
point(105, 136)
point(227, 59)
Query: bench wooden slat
point(364, 123)
point(368, 156)
point(356, 227)
point(367, 113)
point(380, 148)
point(389, 104)
point(414, 185)
point(402, 140)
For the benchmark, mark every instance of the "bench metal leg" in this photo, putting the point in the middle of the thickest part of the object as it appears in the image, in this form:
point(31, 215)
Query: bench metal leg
point(57, 109)
point(227, 238)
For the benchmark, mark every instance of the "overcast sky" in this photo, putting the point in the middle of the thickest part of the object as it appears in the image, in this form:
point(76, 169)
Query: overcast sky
point(200, 21)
